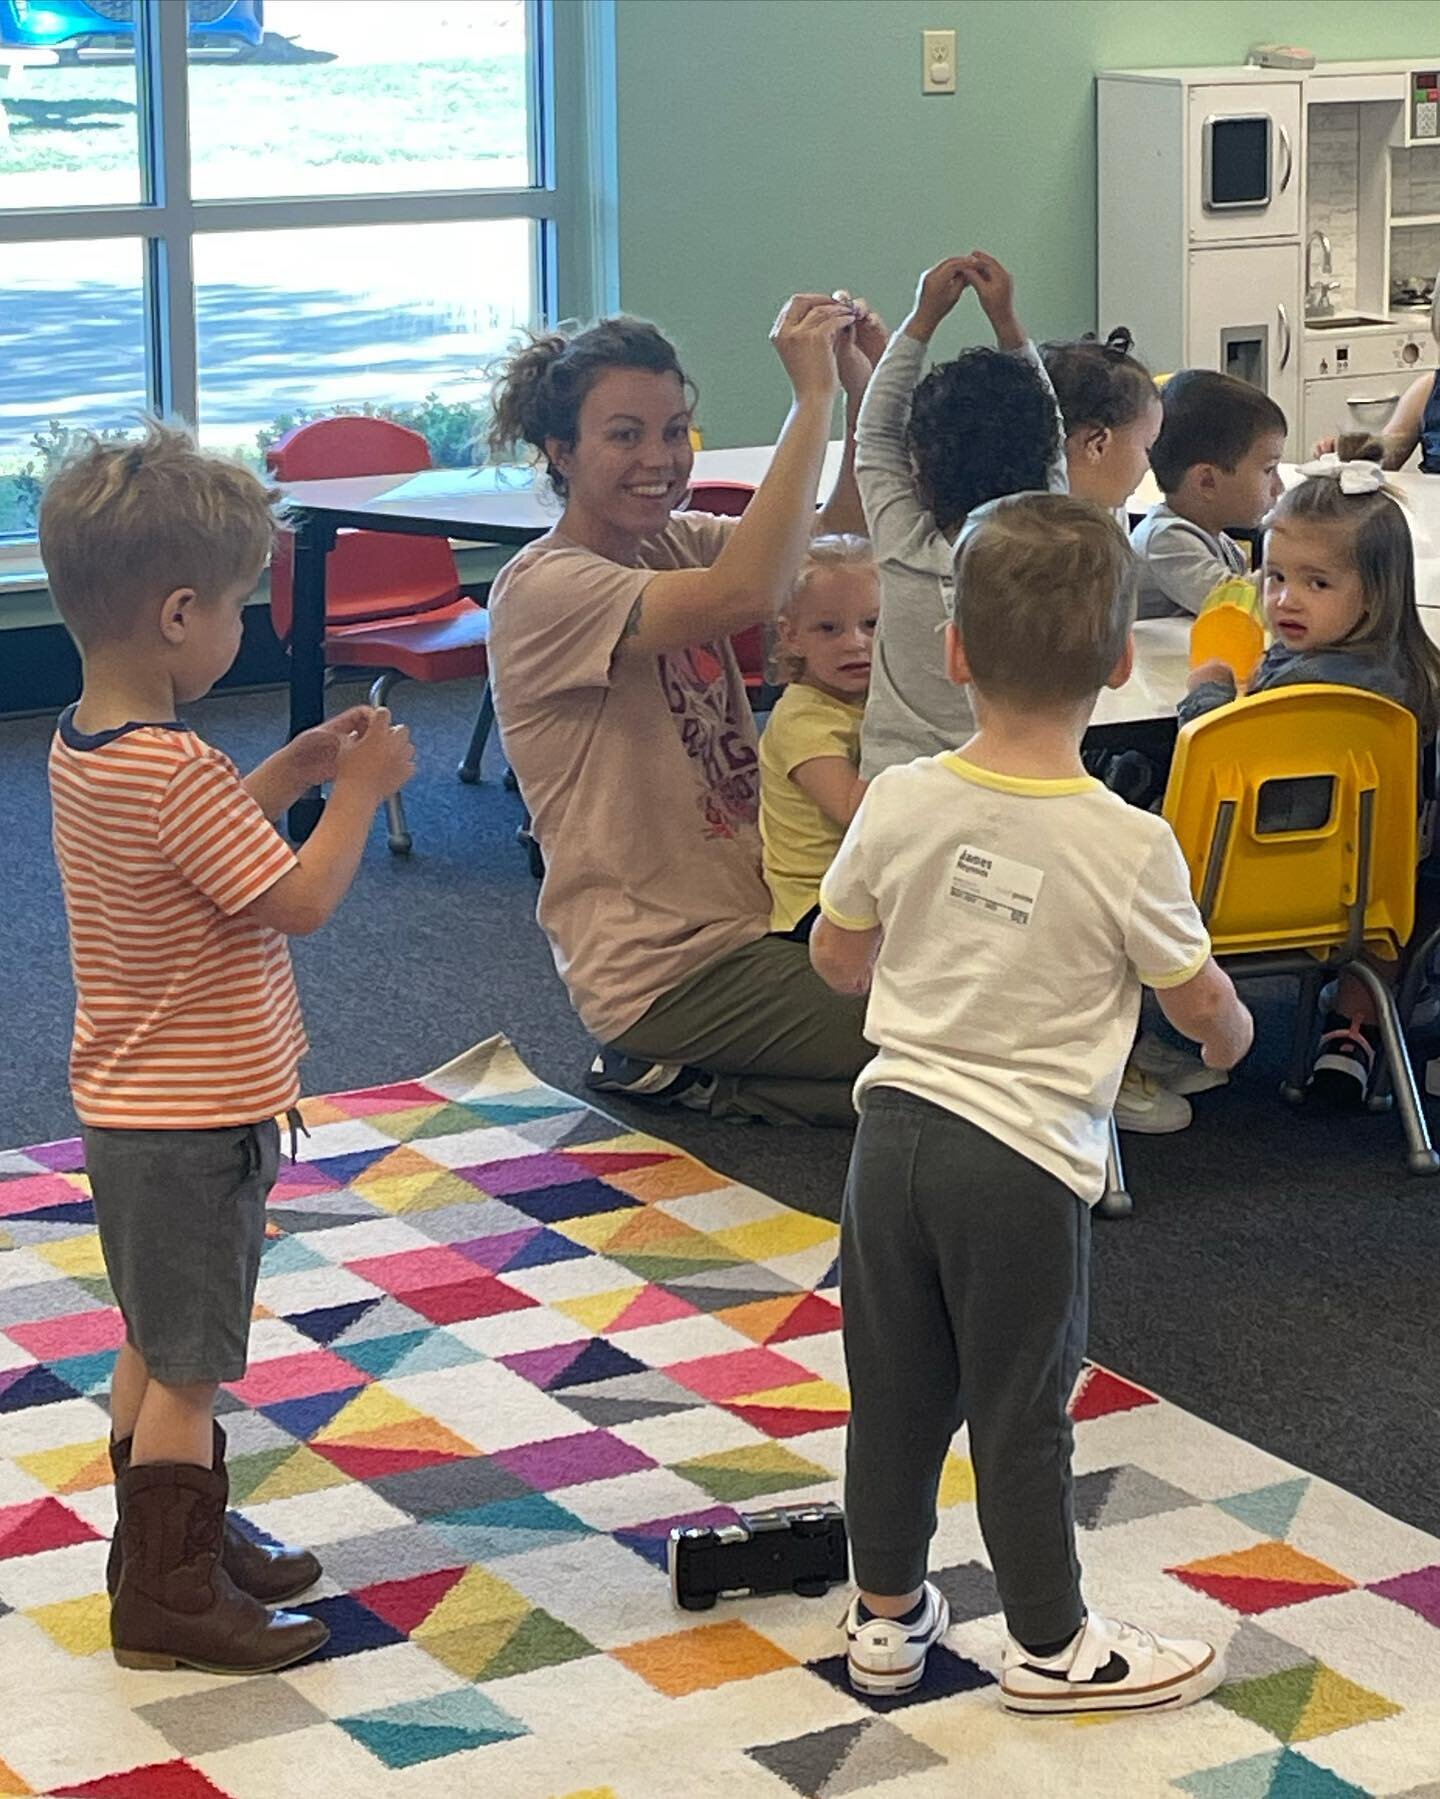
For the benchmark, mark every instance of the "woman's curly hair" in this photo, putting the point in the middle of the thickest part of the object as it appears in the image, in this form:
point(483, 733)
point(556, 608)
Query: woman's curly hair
point(982, 426)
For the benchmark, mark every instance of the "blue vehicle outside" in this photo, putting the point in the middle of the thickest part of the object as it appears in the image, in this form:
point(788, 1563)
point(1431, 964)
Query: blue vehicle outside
point(72, 25)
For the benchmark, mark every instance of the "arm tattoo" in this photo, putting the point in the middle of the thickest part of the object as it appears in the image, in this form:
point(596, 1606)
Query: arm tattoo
point(632, 623)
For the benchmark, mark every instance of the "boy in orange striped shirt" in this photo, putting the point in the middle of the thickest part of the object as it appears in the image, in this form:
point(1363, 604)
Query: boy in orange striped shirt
point(180, 895)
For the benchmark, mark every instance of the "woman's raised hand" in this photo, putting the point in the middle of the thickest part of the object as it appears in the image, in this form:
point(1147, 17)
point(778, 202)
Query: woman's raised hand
point(805, 336)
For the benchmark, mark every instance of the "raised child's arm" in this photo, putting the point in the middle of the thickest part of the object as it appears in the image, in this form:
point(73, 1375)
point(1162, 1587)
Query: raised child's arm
point(856, 355)
point(371, 768)
point(995, 286)
point(307, 761)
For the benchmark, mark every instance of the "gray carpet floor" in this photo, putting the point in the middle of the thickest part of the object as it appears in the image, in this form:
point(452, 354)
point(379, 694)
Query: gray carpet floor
point(1280, 1275)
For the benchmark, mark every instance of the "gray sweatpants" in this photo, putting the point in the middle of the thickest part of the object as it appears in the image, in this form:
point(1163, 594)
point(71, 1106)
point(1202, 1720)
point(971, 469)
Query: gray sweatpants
point(786, 1048)
point(964, 1275)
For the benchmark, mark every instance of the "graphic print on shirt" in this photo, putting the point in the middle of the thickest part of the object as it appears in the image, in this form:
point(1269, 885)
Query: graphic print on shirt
point(995, 885)
point(719, 742)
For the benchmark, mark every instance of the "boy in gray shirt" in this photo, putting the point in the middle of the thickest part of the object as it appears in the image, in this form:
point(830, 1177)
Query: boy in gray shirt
point(1216, 460)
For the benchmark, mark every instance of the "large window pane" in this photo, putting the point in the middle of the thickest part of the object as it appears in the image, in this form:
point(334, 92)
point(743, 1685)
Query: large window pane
point(399, 318)
point(366, 96)
point(69, 112)
point(72, 348)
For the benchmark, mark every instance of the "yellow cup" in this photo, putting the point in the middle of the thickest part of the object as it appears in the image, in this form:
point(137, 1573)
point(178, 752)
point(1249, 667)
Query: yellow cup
point(1230, 634)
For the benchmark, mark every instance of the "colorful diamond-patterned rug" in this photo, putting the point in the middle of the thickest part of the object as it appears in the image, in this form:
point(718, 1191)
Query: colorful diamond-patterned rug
point(501, 1345)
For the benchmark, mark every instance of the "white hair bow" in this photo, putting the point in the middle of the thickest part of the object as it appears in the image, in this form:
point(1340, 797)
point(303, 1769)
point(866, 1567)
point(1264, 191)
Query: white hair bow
point(1355, 477)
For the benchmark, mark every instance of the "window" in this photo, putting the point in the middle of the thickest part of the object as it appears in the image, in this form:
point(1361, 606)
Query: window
point(245, 212)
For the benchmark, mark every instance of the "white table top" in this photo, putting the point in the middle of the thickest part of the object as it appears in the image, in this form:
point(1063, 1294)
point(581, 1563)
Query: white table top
point(519, 499)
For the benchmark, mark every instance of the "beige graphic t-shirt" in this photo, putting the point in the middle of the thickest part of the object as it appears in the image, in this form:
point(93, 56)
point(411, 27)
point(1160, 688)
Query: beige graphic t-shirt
point(641, 773)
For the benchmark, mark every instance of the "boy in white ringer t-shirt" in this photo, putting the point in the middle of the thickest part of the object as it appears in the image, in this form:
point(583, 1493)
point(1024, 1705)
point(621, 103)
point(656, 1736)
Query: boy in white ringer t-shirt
point(1003, 910)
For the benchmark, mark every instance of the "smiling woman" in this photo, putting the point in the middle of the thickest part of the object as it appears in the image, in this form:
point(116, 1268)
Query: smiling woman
point(625, 717)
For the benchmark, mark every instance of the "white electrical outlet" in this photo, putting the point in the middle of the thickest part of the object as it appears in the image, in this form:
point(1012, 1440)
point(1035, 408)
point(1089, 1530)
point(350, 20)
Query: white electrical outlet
point(937, 75)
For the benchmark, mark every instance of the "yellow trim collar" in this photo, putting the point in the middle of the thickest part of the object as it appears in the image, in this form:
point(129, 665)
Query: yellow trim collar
point(1029, 785)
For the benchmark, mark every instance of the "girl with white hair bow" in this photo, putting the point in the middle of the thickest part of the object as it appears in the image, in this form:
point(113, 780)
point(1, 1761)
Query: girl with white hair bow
point(1339, 593)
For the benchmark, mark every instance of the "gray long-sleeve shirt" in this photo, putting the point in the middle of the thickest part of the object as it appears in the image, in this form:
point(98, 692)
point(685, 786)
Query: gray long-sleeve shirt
point(914, 709)
point(1378, 670)
point(1181, 563)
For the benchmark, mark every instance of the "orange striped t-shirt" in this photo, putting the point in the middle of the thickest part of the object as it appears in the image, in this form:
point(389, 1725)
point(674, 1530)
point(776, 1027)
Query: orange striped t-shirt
point(186, 1015)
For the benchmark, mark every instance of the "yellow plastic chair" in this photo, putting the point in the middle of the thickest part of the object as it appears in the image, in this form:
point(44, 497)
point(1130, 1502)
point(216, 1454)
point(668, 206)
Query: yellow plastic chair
point(1297, 813)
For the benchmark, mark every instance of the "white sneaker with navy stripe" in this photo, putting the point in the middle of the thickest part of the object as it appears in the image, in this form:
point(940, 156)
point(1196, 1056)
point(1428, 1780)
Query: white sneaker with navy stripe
point(662, 1083)
point(1110, 1667)
point(886, 1656)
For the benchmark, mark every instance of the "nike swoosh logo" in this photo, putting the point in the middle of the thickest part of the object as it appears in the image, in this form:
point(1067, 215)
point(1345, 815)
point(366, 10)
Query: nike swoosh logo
point(1116, 1669)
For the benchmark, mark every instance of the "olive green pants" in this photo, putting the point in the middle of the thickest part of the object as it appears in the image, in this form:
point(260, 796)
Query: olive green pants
point(786, 1048)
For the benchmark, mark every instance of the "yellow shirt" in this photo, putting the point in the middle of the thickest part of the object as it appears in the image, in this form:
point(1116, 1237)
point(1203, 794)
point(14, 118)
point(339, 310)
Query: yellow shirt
point(800, 840)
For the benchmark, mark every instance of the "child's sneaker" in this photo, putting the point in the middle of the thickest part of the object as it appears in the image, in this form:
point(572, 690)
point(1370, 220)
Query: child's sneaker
point(1110, 1667)
point(1144, 1106)
point(1173, 1068)
point(1344, 1063)
point(886, 1656)
point(662, 1083)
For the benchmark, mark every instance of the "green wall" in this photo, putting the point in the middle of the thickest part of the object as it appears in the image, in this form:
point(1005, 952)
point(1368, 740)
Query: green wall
point(770, 145)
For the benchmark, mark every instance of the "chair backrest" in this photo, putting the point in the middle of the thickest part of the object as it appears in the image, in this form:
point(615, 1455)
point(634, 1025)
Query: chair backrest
point(1296, 811)
point(729, 499)
point(371, 575)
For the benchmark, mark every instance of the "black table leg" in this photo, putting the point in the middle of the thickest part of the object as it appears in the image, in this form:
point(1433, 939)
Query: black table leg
point(314, 540)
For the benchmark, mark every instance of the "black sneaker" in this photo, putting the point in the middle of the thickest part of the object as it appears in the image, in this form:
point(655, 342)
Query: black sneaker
point(660, 1083)
point(1345, 1063)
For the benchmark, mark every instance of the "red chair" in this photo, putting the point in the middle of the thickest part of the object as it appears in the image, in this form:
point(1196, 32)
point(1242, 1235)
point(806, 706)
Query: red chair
point(729, 499)
point(392, 602)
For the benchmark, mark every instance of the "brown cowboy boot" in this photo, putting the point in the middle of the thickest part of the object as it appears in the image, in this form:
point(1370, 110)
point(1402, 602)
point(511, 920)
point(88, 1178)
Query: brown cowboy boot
point(176, 1605)
point(269, 1575)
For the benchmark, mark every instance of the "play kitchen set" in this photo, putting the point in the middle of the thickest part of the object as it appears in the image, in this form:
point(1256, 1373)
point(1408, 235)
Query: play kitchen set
point(1279, 223)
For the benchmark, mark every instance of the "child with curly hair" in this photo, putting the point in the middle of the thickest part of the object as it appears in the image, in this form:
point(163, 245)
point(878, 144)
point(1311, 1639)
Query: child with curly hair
point(927, 453)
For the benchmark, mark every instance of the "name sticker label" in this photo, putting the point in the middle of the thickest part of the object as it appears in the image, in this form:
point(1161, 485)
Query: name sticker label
point(995, 885)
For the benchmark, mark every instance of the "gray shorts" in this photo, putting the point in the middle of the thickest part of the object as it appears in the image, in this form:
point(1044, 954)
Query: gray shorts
point(181, 1216)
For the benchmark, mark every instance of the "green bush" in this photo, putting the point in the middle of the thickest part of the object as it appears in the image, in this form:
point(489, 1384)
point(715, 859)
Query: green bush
point(26, 483)
point(454, 429)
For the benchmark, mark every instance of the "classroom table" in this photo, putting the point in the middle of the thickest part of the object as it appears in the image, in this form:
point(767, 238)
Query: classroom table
point(514, 506)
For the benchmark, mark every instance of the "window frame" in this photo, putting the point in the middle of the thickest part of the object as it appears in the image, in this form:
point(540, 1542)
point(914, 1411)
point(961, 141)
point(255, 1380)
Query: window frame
point(570, 80)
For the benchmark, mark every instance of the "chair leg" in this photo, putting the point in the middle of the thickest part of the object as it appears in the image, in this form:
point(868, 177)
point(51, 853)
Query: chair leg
point(479, 737)
point(1302, 1041)
point(1420, 1156)
point(397, 831)
point(1115, 1202)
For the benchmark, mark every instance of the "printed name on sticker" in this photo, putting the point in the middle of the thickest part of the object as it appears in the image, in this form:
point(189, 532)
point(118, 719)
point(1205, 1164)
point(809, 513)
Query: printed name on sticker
point(996, 885)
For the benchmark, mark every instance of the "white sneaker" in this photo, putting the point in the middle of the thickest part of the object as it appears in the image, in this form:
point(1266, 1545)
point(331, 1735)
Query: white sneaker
point(1111, 1667)
point(1174, 1068)
point(886, 1657)
point(1143, 1105)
